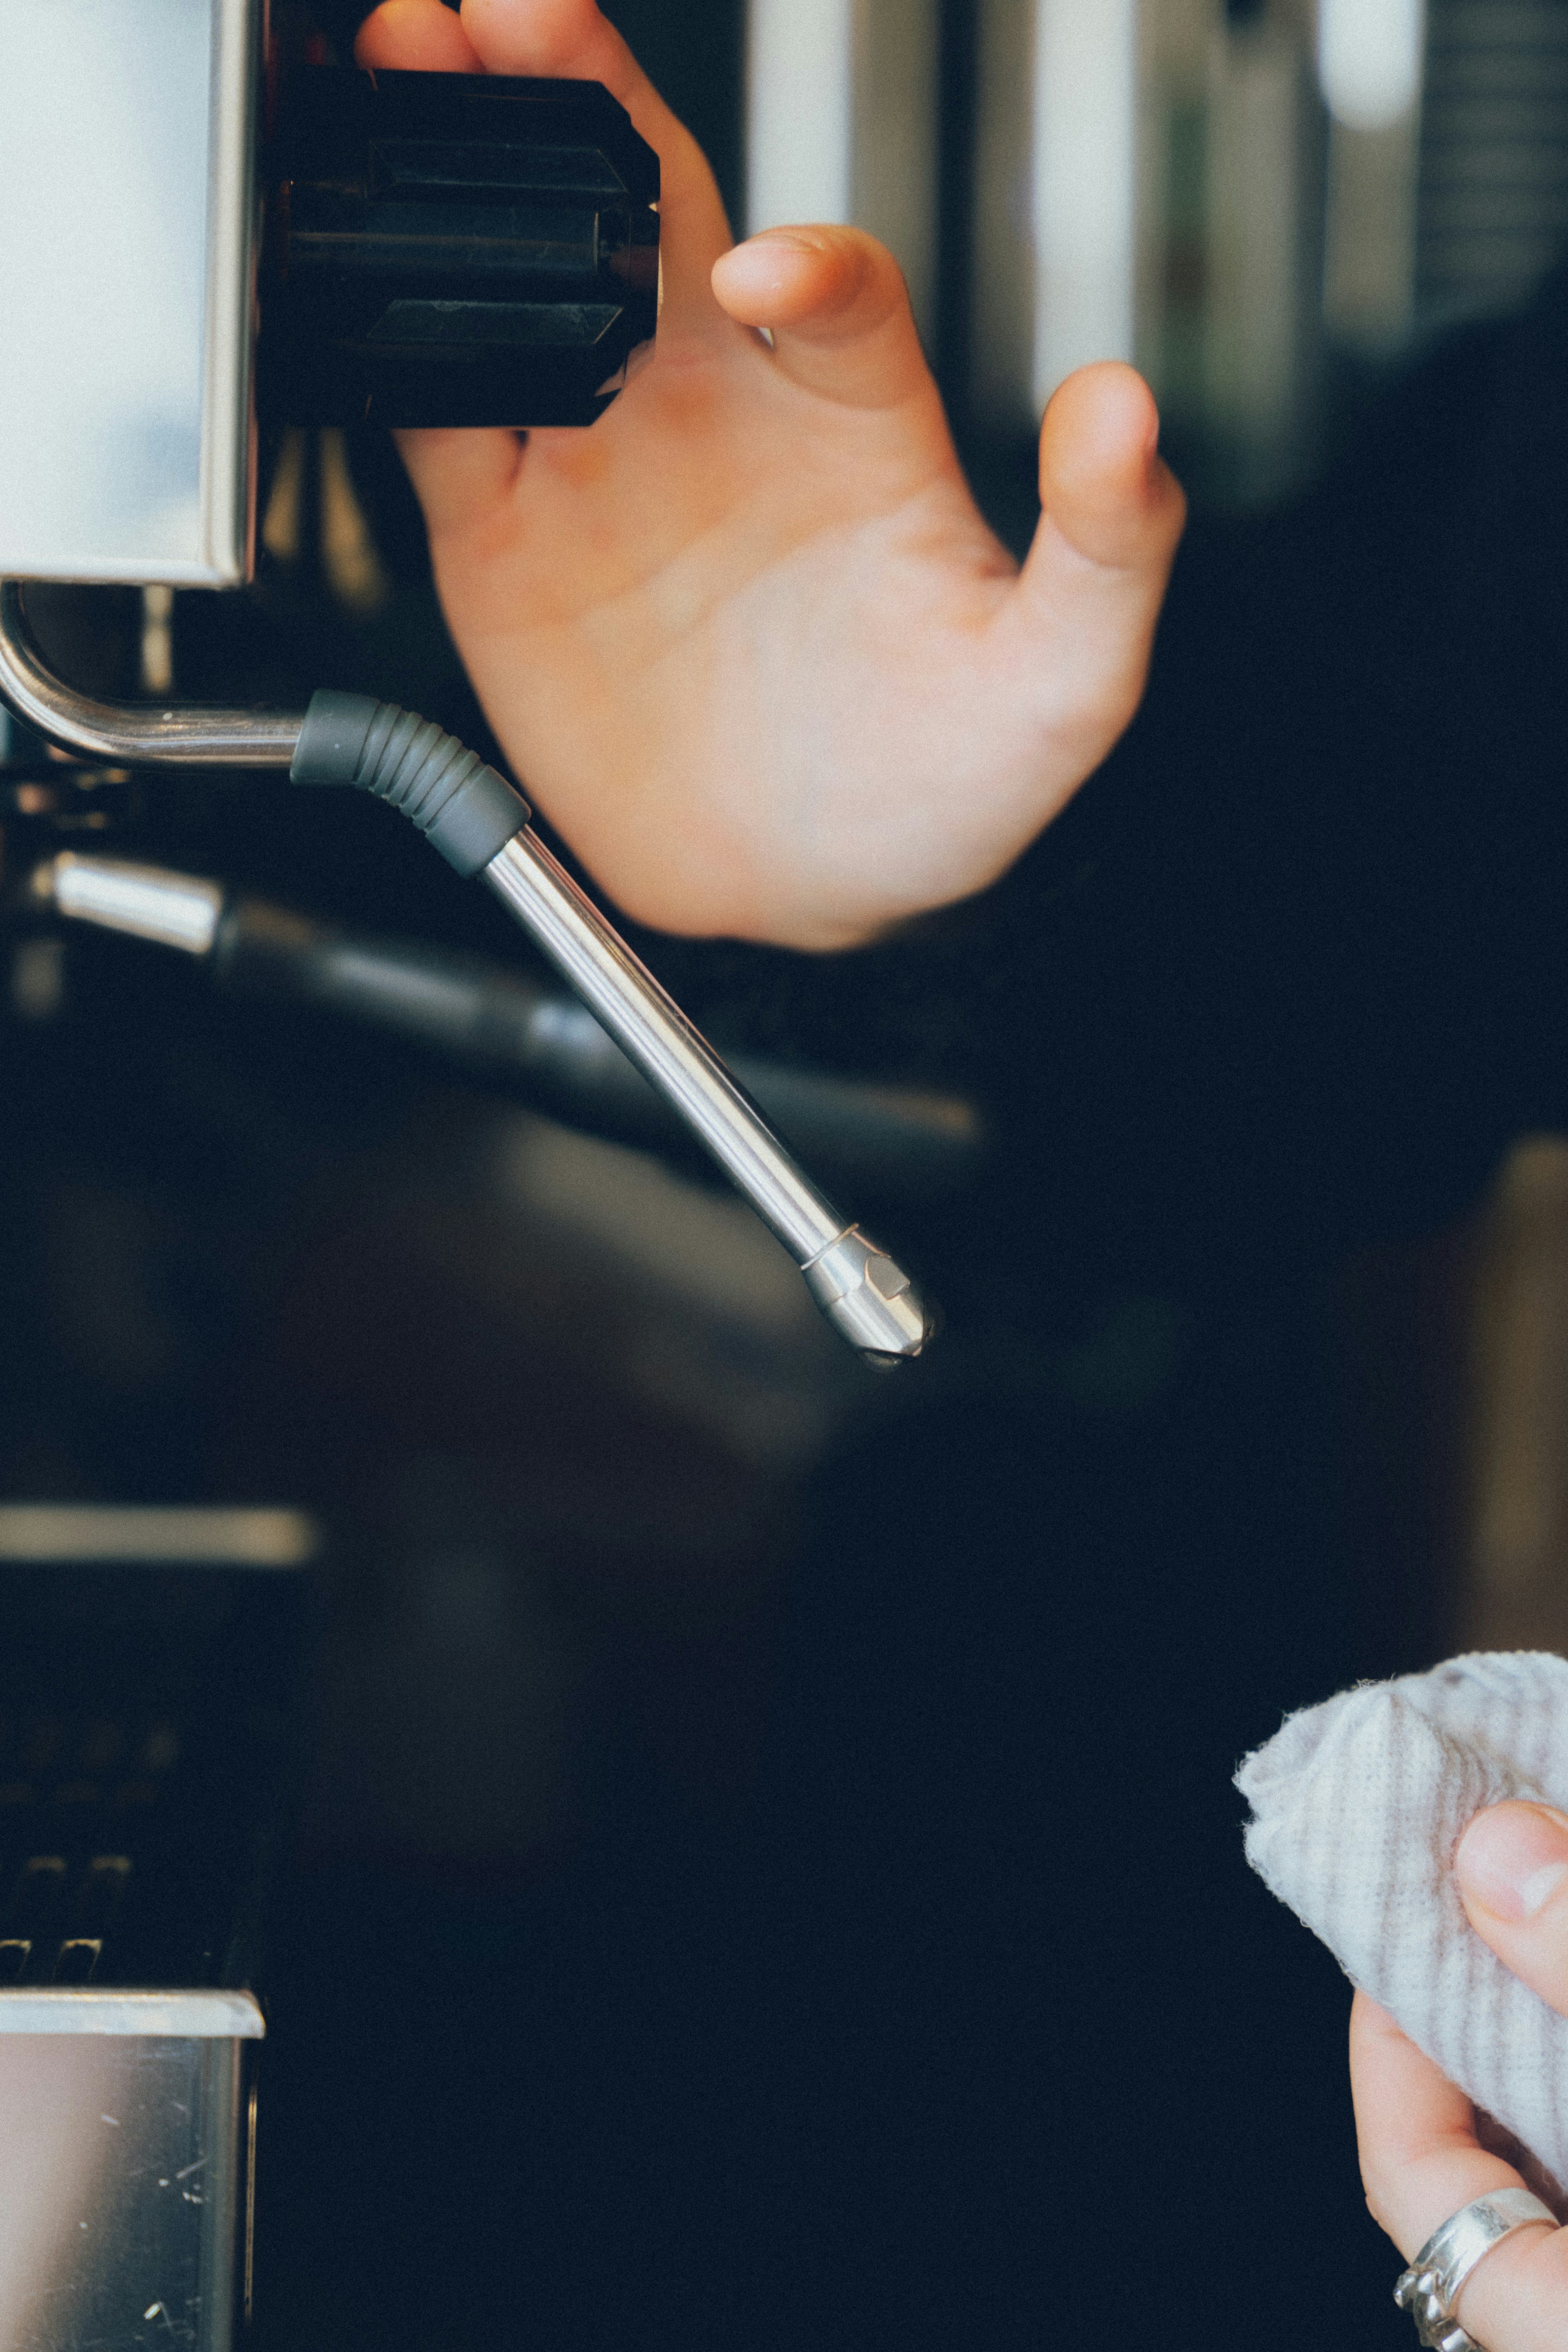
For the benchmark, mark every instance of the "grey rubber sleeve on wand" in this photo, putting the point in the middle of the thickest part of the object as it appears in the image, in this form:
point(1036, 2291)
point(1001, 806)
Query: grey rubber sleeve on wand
point(462, 807)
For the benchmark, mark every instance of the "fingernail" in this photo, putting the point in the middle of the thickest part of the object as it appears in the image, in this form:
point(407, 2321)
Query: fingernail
point(1512, 1861)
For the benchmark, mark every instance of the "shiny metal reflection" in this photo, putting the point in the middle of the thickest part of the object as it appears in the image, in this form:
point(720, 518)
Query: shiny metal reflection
point(126, 229)
point(120, 2159)
point(176, 910)
point(129, 735)
point(655, 1034)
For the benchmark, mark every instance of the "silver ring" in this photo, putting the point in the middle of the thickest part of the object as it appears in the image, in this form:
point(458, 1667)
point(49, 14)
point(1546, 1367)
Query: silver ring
point(1430, 2288)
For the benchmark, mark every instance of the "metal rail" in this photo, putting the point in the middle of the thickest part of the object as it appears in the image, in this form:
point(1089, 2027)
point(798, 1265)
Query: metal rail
point(129, 735)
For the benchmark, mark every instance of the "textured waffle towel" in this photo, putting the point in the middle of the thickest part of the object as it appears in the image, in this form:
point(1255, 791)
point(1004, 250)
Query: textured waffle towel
point(1357, 1808)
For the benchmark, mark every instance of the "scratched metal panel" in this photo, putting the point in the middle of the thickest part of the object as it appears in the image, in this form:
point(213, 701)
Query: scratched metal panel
point(120, 2172)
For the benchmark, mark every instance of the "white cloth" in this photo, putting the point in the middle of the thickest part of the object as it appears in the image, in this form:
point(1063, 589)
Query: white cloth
point(1357, 1808)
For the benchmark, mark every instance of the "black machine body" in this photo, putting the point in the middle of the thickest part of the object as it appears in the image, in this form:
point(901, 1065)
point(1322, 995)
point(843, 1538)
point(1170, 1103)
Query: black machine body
point(451, 249)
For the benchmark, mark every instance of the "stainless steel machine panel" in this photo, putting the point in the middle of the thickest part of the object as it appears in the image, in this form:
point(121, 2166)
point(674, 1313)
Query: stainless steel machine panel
point(124, 2187)
point(126, 264)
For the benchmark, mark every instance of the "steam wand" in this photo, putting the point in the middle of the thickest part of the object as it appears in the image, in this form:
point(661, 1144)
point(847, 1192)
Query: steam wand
point(480, 824)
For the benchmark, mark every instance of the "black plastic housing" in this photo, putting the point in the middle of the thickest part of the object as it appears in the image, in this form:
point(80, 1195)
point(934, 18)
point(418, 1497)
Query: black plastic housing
point(451, 249)
point(146, 1713)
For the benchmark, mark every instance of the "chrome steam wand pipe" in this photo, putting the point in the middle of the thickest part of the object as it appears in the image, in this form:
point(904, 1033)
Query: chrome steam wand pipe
point(480, 824)
point(129, 735)
point(857, 1285)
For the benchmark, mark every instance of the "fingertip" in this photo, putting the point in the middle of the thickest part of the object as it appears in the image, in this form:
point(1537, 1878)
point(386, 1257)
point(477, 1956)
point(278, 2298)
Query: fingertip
point(1106, 408)
point(415, 37)
point(1511, 1864)
point(782, 277)
point(1101, 473)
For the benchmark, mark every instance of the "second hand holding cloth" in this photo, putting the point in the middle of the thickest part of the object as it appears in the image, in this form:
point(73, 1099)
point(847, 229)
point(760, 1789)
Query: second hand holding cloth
point(1358, 1807)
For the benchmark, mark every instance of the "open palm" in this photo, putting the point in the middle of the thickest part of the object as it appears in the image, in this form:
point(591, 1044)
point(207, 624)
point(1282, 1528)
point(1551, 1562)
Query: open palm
point(748, 640)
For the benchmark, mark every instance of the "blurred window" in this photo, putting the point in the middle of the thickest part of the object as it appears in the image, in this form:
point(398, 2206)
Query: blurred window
point(842, 124)
point(1268, 205)
point(1493, 205)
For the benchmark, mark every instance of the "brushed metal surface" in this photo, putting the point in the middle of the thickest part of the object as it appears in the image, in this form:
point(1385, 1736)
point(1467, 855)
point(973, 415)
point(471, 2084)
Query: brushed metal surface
point(126, 209)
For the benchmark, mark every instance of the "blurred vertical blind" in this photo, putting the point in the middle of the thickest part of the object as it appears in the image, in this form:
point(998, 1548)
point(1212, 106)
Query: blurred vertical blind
point(1055, 197)
point(842, 124)
point(800, 100)
point(1267, 204)
point(1493, 202)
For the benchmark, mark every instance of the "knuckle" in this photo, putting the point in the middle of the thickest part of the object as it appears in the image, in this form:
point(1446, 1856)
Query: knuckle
point(874, 269)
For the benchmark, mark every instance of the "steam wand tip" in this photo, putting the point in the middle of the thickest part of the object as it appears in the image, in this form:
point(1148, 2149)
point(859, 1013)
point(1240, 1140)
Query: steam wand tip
point(870, 1299)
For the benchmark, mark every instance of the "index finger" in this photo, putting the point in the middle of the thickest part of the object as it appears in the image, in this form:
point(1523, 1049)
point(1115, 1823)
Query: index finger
point(1421, 2161)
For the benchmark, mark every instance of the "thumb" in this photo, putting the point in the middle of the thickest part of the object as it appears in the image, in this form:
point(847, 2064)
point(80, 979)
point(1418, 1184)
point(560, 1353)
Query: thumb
point(1513, 1872)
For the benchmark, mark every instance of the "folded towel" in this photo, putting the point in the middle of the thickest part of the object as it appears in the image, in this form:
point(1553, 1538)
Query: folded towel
point(1358, 1806)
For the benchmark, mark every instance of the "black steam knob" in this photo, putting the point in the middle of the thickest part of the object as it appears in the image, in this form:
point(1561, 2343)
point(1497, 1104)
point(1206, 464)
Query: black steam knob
point(452, 249)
